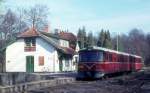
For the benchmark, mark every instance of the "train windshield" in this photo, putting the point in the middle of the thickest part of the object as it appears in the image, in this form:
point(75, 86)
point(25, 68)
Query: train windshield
point(91, 56)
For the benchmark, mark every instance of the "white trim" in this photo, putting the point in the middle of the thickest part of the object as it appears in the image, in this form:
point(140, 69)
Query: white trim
point(109, 50)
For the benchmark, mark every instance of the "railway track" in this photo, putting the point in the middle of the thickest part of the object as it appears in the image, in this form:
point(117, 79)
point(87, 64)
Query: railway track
point(137, 82)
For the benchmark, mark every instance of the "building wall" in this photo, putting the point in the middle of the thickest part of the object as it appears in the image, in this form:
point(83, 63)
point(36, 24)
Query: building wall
point(51, 62)
point(16, 57)
point(68, 65)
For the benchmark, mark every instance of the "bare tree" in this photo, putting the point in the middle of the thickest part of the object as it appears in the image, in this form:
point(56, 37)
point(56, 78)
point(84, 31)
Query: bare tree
point(37, 16)
point(22, 25)
point(147, 58)
point(7, 26)
point(137, 42)
point(11, 25)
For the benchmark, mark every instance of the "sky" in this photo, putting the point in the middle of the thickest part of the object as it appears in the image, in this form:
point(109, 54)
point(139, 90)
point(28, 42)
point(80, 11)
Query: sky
point(116, 15)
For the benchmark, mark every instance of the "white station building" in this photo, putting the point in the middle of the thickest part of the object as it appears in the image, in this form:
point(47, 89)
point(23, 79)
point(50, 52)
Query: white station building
point(36, 51)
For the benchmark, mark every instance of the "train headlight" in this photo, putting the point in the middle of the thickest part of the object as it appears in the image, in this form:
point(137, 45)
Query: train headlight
point(81, 66)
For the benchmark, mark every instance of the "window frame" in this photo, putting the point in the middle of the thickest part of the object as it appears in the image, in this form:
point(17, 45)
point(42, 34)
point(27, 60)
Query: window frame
point(30, 42)
point(100, 59)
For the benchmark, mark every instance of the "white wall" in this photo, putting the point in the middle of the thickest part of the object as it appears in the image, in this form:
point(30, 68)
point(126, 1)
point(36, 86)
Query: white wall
point(15, 60)
point(51, 62)
point(16, 57)
point(70, 66)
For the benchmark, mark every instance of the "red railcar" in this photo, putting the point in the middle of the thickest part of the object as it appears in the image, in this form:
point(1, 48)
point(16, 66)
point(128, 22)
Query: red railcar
point(95, 62)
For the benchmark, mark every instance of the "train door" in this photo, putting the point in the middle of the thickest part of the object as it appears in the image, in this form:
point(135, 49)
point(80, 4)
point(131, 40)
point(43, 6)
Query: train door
point(131, 63)
point(106, 60)
point(114, 57)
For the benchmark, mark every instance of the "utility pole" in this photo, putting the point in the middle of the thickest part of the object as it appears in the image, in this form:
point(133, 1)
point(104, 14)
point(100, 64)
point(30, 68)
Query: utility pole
point(117, 40)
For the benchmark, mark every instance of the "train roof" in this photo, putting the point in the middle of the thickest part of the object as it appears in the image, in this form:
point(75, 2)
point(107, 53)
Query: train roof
point(109, 50)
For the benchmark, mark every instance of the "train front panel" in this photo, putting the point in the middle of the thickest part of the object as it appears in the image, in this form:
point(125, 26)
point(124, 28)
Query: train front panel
point(90, 64)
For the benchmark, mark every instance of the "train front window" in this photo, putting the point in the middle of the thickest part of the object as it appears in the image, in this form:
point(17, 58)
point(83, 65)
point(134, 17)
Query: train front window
point(91, 56)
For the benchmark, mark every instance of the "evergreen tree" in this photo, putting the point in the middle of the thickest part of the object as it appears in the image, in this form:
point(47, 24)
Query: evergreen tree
point(90, 39)
point(82, 37)
point(101, 38)
point(104, 39)
point(95, 41)
point(107, 40)
point(79, 37)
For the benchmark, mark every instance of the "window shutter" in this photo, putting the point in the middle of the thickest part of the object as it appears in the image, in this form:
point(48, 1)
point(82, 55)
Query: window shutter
point(41, 60)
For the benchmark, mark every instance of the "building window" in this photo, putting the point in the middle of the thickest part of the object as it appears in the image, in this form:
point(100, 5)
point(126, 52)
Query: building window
point(67, 63)
point(64, 43)
point(76, 60)
point(41, 60)
point(30, 44)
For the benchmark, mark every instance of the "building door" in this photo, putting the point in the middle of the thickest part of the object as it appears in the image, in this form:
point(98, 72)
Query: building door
point(30, 64)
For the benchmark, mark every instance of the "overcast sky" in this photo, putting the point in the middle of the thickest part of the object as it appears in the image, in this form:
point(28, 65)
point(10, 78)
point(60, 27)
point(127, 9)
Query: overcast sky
point(115, 15)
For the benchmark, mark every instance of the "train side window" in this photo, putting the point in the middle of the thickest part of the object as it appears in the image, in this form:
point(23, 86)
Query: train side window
point(118, 58)
point(105, 56)
point(122, 58)
point(130, 59)
point(113, 57)
point(133, 59)
point(140, 60)
point(110, 57)
point(136, 60)
point(125, 58)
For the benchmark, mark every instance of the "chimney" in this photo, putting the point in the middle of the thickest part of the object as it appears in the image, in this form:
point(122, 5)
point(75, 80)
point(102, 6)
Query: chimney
point(46, 28)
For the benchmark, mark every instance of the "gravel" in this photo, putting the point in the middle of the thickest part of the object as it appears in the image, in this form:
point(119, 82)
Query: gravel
point(131, 83)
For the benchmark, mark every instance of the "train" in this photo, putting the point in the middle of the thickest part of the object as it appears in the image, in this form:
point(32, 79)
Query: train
point(96, 62)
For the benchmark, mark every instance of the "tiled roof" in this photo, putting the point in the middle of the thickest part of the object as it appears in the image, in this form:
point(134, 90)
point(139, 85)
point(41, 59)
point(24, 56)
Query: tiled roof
point(68, 50)
point(50, 38)
point(67, 36)
point(64, 50)
point(50, 35)
point(29, 33)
